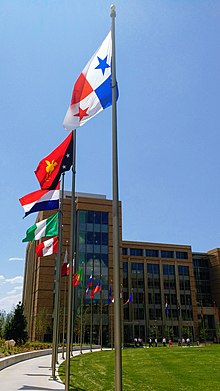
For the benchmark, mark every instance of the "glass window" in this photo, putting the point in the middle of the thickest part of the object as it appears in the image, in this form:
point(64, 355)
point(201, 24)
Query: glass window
point(104, 238)
point(90, 216)
point(104, 218)
point(136, 252)
point(97, 217)
point(124, 251)
point(181, 255)
point(153, 268)
point(168, 270)
point(151, 253)
point(166, 254)
point(183, 270)
point(82, 216)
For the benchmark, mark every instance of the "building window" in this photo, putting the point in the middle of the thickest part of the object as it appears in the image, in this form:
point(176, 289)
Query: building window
point(166, 254)
point(124, 251)
point(181, 255)
point(136, 252)
point(202, 280)
point(151, 253)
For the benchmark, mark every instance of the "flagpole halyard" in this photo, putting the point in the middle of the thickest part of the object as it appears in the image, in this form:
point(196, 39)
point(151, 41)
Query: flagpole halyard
point(115, 215)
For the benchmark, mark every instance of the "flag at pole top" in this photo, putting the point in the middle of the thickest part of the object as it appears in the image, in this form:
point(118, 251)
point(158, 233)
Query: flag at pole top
point(92, 91)
point(51, 167)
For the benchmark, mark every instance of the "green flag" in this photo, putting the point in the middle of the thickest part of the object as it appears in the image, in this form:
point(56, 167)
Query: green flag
point(47, 227)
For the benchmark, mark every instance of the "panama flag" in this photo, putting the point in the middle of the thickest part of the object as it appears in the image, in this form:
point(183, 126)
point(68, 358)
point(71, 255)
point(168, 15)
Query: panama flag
point(47, 227)
point(92, 91)
point(41, 200)
point(48, 247)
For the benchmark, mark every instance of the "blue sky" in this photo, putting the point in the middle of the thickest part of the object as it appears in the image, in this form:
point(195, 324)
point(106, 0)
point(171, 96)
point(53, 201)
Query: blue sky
point(168, 62)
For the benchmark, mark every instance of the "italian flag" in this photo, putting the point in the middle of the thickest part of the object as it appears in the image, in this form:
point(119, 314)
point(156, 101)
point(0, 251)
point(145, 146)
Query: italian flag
point(47, 227)
point(48, 247)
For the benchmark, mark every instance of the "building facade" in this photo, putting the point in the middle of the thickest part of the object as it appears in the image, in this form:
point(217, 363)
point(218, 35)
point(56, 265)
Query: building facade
point(166, 290)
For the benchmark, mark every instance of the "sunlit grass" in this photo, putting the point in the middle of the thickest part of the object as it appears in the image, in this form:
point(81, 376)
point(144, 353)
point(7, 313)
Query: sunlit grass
point(155, 369)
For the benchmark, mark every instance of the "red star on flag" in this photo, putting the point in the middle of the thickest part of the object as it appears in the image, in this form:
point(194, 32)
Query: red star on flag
point(82, 113)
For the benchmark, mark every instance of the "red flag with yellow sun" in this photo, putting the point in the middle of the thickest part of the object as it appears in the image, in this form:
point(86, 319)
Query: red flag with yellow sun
point(50, 168)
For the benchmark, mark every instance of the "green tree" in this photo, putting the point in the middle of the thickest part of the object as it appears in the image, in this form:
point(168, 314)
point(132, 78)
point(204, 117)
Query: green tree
point(2, 323)
point(7, 332)
point(42, 323)
point(18, 325)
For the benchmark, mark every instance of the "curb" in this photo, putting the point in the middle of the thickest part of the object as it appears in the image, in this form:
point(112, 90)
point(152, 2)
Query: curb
point(16, 358)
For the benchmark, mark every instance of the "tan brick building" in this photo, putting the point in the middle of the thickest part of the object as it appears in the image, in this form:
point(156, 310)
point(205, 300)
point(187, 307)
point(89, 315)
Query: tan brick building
point(154, 276)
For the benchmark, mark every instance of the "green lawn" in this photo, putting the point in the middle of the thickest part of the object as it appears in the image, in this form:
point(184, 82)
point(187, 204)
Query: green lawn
point(155, 369)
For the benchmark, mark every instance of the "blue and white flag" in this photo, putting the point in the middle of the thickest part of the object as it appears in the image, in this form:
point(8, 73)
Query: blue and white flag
point(92, 91)
point(166, 308)
point(41, 200)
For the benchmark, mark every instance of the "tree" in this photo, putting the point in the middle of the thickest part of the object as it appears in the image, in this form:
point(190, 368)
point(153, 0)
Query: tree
point(19, 325)
point(42, 323)
point(7, 333)
point(2, 323)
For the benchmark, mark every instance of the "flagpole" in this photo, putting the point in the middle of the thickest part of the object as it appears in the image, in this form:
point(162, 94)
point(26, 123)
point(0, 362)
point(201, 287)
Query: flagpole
point(72, 257)
point(91, 324)
point(64, 313)
point(64, 318)
point(101, 313)
point(81, 318)
point(57, 287)
point(115, 213)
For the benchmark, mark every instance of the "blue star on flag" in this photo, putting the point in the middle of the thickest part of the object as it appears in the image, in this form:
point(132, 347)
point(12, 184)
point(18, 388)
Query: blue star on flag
point(102, 64)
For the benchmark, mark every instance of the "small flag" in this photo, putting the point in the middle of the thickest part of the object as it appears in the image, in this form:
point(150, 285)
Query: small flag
point(92, 91)
point(48, 247)
point(47, 227)
point(51, 167)
point(166, 307)
point(41, 200)
point(92, 294)
point(110, 294)
point(130, 299)
point(65, 268)
point(97, 288)
point(89, 285)
point(77, 277)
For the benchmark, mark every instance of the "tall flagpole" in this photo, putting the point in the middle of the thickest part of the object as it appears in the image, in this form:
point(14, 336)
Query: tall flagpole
point(115, 213)
point(64, 318)
point(72, 255)
point(81, 311)
point(57, 288)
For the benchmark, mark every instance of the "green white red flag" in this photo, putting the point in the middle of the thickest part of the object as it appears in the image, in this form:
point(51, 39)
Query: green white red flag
point(47, 227)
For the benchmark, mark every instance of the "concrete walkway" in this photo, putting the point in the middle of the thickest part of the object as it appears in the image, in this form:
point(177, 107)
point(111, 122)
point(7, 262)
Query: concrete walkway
point(31, 375)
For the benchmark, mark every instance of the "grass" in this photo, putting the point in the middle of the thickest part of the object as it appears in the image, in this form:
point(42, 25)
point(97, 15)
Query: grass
point(155, 369)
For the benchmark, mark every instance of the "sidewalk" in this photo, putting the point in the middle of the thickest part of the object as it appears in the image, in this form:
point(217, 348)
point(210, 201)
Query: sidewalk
point(32, 375)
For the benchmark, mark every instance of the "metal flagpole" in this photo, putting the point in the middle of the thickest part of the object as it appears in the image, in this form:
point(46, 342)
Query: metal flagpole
point(115, 213)
point(81, 311)
point(64, 318)
point(101, 309)
point(64, 313)
point(72, 257)
point(57, 287)
point(91, 324)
